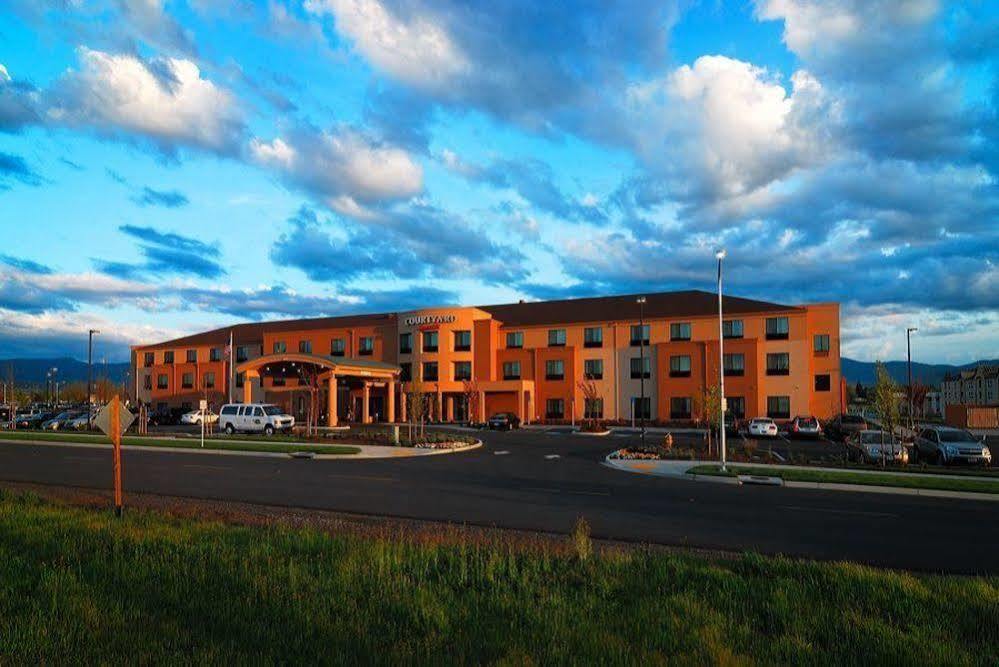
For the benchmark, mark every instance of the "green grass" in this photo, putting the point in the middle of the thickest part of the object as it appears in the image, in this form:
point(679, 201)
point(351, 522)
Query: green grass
point(185, 443)
point(897, 479)
point(78, 586)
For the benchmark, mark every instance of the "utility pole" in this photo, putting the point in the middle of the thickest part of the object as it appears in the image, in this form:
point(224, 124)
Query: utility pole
point(720, 254)
point(641, 352)
point(908, 354)
point(90, 372)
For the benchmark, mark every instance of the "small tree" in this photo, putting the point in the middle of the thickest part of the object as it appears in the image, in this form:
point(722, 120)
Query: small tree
point(308, 379)
point(470, 392)
point(708, 405)
point(885, 404)
point(417, 400)
point(591, 393)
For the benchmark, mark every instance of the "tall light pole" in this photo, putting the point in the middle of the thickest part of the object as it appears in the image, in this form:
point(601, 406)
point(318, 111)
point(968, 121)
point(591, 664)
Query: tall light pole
point(48, 385)
point(641, 352)
point(720, 254)
point(908, 354)
point(90, 361)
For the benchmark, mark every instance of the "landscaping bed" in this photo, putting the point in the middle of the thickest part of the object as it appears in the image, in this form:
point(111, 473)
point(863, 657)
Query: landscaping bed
point(216, 443)
point(887, 478)
point(78, 586)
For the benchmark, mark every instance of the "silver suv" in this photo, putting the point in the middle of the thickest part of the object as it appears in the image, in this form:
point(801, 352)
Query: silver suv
point(945, 444)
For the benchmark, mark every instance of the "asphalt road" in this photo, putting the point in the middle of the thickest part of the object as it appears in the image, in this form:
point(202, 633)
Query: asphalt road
point(536, 481)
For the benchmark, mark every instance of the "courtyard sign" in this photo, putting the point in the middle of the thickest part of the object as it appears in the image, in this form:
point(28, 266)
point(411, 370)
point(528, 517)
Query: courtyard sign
point(417, 320)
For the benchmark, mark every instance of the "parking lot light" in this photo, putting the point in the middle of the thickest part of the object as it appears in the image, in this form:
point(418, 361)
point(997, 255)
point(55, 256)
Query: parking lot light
point(720, 255)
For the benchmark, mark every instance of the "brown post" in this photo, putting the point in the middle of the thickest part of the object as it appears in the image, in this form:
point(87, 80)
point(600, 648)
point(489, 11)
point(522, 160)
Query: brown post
point(331, 417)
point(390, 401)
point(116, 442)
point(365, 400)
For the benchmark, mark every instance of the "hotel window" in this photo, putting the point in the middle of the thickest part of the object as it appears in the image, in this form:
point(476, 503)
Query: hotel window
point(593, 408)
point(366, 346)
point(147, 382)
point(429, 341)
point(641, 368)
point(779, 407)
point(679, 366)
point(821, 343)
point(430, 371)
point(679, 331)
point(168, 357)
point(554, 369)
point(462, 341)
point(240, 380)
point(555, 408)
point(187, 381)
point(777, 328)
point(822, 383)
point(511, 370)
point(280, 347)
point(593, 369)
point(192, 356)
point(406, 372)
point(162, 381)
point(242, 354)
point(778, 363)
point(305, 346)
point(679, 408)
point(641, 408)
point(209, 380)
point(338, 347)
point(639, 334)
point(462, 370)
point(278, 381)
point(556, 338)
point(405, 343)
point(736, 406)
point(593, 337)
point(732, 328)
point(150, 359)
point(515, 339)
point(734, 364)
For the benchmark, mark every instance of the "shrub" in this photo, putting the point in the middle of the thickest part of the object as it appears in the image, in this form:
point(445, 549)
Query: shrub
point(581, 542)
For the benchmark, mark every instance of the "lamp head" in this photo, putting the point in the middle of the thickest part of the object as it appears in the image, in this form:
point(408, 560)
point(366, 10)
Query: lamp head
point(640, 299)
point(720, 253)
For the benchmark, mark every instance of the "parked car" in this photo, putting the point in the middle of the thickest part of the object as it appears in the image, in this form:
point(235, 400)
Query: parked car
point(763, 427)
point(504, 421)
point(59, 421)
point(871, 446)
point(944, 445)
point(842, 426)
point(254, 417)
point(80, 423)
point(33, 420)
point(166, 417)
point(805, 427)
point(733, 425)
point(194, 417)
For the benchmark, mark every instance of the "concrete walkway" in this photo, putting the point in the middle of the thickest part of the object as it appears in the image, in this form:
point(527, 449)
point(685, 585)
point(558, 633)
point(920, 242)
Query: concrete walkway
point(679, 470)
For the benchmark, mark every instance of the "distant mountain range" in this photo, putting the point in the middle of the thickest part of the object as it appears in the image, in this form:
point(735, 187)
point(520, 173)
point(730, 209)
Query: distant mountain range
point(32, 371)
point(929, 374)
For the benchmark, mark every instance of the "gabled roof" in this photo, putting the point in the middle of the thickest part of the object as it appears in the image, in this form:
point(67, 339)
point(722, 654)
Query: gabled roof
point(661, 305)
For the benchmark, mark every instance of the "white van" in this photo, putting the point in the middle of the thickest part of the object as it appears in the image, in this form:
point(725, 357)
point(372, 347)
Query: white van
point(254, 418)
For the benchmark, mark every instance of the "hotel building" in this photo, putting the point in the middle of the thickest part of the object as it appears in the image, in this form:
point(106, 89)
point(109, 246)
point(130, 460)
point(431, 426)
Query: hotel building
point(548, 361)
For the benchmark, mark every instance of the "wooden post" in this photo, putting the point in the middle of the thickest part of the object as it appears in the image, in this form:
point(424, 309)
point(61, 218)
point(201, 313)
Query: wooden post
point(116, 442)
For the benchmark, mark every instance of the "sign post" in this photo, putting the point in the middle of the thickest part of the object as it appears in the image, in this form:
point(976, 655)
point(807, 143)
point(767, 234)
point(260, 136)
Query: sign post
point(203, 407)
point(114, 419)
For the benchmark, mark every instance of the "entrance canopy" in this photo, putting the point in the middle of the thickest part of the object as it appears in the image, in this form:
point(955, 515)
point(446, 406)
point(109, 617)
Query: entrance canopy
point(286, 365)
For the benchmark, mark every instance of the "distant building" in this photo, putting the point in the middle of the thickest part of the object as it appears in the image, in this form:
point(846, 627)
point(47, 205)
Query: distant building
point(975, 387)
point(932, 404)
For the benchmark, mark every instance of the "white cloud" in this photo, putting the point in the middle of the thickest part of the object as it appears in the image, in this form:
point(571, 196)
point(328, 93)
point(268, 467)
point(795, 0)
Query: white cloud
point(412, 48)
point(4, 76)
point(341, 167)
point(165, 101)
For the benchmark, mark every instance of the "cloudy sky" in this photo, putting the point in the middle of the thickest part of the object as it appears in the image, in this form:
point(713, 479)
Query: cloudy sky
point(172, 165)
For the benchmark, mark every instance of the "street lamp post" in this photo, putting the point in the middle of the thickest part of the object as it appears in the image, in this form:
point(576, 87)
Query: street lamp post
point(49, 380)
point(908, 354)
point(90, 362)
point(641, 352)
point(720, 254)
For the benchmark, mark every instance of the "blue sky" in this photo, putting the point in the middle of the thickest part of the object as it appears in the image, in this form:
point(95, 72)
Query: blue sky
point(169, 166)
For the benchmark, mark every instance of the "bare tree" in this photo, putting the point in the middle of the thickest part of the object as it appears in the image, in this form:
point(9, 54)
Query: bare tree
point(417, 400)
point(470, 392)
point(885, 403)
point(591, 394)
point(308, 379)
point(917, 396)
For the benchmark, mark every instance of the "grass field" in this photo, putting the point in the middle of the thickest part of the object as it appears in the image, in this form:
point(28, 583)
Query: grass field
point(78, 586)
point(897, 479)
point(186, 443)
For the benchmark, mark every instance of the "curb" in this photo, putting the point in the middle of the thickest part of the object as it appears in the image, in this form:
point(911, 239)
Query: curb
point(894, 490)
point(598, 434)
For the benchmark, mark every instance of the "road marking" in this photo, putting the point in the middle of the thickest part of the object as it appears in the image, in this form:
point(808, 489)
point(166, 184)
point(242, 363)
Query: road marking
point(591, 493)
point(542, 489)
point(194, 465)
point(371, 478)
point(552, 457)
point(502, 452)
point(837, 511)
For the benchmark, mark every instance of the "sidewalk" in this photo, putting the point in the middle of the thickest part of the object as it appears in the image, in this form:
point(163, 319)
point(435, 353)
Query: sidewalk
point(678, 470)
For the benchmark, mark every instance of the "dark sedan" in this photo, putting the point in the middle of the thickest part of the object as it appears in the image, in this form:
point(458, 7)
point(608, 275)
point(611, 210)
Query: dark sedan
point(504, 421)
